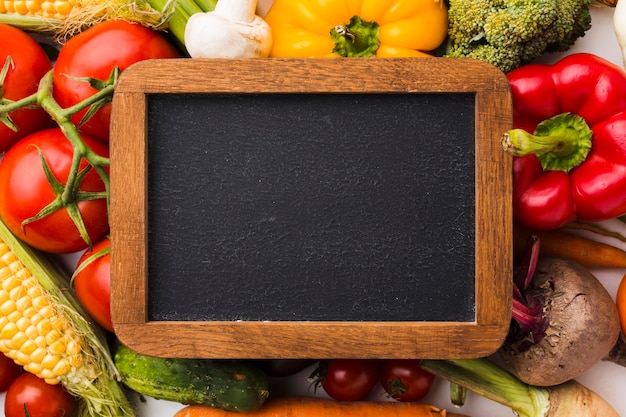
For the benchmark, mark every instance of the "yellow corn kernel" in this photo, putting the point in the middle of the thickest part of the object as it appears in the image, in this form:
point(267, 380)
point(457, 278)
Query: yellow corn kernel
point(31, 313)
point(14, 316)
point(57, 9)
point(10, 281)
point(52, 336)
point(4, 296)
point(8, 331)
point(28, 348)
point(40, 303)
point(58, 347)
point(49, 376)
point(16, 294)
point(73, 348)
point(43, 327)
point(23, 324)
point(34, 368)
point(21, 357)
point(64, 8)
point(38, 355)
point(50, 361)
point(22, 302)
point(62, 367)
point(41, 341)
point(7, 307)
point(16, 342)
point(33, 6)
point(32, 333)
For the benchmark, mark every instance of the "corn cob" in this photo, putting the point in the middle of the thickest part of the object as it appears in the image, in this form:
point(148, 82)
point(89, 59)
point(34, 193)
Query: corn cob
point(65, 18)
point(44, 329)
point(47, 9)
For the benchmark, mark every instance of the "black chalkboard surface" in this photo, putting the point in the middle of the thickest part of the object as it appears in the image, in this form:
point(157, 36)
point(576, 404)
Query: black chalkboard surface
point(336, 218)
point(280, 215)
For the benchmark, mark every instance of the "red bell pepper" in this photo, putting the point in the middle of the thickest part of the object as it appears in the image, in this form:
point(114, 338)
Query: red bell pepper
point(573, 165)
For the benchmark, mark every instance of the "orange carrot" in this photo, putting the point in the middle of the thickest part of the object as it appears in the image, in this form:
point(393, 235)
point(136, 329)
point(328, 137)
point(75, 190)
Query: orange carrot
point(319, 407)
point(585, 251)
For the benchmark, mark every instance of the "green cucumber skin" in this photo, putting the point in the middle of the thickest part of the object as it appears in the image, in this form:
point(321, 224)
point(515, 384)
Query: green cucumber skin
point(226, 384)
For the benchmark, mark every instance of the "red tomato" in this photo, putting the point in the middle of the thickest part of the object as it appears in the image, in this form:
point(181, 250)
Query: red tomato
point(28, 65)
point(350, 379)
point(41, 399)
point(405, 380)
point(95, 53)
point(9, 370)
point(25, 191)
point(92, 282)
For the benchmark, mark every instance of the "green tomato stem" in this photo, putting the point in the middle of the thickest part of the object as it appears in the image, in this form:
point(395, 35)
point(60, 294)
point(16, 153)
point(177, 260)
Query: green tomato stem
point(9, 106)
point(63, 118)
point(68, 195)
point(6, 105)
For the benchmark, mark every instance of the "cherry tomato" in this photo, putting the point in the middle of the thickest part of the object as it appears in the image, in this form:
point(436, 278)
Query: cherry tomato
point(92, 282)
point(28, 65)
point(405, 380)
point(40, 398)
point(25, 191)
point(350, 379)
point(95, 53)
point(9, 370)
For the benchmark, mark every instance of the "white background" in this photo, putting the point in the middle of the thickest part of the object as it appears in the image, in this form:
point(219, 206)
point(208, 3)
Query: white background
point(606, 379)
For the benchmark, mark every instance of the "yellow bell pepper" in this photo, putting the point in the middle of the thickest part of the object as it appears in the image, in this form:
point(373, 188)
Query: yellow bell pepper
point(356, 28)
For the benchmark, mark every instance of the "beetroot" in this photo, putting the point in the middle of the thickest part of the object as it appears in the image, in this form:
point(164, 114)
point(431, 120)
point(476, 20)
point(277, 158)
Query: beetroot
point(564, 321)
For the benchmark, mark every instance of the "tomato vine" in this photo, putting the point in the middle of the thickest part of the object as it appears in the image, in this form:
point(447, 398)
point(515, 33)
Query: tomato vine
point(68, 195)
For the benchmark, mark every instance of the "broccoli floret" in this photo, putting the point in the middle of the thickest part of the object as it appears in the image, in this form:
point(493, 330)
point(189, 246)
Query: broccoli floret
point(510, 33)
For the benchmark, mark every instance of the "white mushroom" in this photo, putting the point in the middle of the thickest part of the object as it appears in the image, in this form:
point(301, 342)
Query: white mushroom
point(232, 30)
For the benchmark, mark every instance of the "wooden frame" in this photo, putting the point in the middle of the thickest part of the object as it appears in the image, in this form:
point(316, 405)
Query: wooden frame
point(493, 257)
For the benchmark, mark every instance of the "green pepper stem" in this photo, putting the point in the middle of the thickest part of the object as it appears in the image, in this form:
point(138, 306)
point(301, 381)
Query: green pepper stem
point(356, 39)
point(492, 382)
point(561, 143)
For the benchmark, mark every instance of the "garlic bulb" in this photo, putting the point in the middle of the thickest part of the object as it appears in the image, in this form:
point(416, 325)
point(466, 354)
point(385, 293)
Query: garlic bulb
point(232, 30)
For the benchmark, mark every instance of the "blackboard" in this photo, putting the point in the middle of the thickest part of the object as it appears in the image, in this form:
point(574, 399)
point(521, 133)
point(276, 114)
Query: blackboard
point(295, 208)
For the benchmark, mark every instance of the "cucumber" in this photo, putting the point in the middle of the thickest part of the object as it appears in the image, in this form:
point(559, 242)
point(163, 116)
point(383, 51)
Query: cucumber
point(227, 384)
